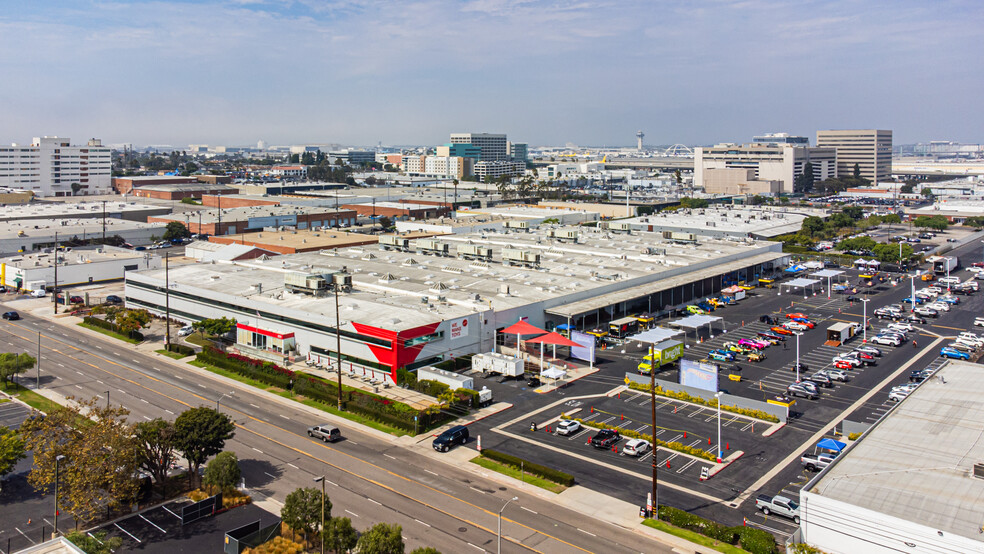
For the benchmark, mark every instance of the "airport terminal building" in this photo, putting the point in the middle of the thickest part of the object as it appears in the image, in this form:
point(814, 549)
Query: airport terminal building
point(406, 303)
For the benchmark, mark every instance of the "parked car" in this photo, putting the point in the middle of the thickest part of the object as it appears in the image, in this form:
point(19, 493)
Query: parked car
point(446, 440)
point(821, 379)
point(898, 395)
point(868, 350)
point(605, 438)
point(953, 353)
point(803, 389)
point(635, 447)
point(837, 374)
point(795, 326)
point(11, 316)
point(768, 319)
point(901, 326)
point(927, 312)
point(719, 356)
point(185, 331)
point(753, 343)
point(855, 362)
point(843, 364)
point(886, 340)
point(756, 357)
point(916, 318)
point(773, 338)
point(796, 315)
point(816, 462)
point(866, 358)
point(852, 299)
point(113, 299)
point(778, 505)
point(979, 321)
point(802, 367)
point(781, 330)
point(695, 310)
point(567, 427)
point(40, 293)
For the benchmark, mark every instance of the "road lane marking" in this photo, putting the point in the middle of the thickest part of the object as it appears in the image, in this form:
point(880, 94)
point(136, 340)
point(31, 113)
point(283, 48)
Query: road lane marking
point(477, 490)
point(272, 476)
point(292, 465)
point(353, 513)
point(127, 532)
point(586, 532)
point(421, 522)
point(388, 456)
point(431, 472)
point(374, 502)
point(257, 449)
point(528, 510)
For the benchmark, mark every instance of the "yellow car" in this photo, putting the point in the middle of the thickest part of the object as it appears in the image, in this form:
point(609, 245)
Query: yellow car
point(755, 356)
point(695, 310)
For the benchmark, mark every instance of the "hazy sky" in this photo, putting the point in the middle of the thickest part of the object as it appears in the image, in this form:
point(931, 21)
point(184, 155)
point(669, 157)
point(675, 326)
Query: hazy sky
point(410, 72)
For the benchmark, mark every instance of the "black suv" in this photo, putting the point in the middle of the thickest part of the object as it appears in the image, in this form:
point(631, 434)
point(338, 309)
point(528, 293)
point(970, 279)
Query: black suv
point(455, 435)
point(11, 316)
point(113, 299)
point(605, 438)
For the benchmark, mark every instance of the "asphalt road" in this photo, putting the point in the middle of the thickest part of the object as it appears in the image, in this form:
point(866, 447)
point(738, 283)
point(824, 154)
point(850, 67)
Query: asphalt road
point(369, 480)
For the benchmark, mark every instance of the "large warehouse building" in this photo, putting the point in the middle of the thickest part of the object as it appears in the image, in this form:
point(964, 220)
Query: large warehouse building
point(914, 482)
point(414, 302)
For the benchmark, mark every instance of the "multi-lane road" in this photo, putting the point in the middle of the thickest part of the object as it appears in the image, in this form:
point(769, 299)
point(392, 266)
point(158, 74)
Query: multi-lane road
point(370, 479)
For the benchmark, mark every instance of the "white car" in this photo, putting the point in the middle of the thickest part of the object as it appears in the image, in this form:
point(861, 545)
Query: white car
point(971, 336)
point(898, 395)
point(40, 293)
point(949, 281)
point(976, 269)
point(795, 326)
point(939, 306)
point(185, 331)
point(887, 341)
point(901, 326)
point(635, 447)
point(972, 343)
point(979, 322)
point(568, 427)
point(934, 290)
point(855, 362)
point(836, 374)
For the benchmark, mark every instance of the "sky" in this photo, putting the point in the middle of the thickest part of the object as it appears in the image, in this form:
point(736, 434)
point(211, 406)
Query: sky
point(360, 72)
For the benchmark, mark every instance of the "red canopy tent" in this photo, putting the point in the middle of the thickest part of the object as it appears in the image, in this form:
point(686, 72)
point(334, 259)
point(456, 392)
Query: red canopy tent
point(521, 328)
point(553, 338)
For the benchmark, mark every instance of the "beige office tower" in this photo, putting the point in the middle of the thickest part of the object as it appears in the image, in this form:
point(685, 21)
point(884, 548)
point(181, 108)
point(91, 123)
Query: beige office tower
point(869, 149)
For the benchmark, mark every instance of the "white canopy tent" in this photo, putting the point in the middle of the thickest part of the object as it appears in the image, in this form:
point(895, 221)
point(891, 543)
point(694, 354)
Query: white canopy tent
point(553, 373)
point(655, 335)
point(800, 283)
point(827, 273)
point(695, 322)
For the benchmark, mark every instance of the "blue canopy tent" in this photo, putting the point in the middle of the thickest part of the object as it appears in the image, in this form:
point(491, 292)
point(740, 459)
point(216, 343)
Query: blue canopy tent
point(565, 326)
point(831, 444)
point(794, 269)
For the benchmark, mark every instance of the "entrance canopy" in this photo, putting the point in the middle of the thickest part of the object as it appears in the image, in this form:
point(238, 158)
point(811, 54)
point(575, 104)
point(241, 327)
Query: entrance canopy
point(522, 328)
point(653, 336)
point(695, 321)
point(553, 373)
point(827, 273)
point(553, 338)
point(801, 283)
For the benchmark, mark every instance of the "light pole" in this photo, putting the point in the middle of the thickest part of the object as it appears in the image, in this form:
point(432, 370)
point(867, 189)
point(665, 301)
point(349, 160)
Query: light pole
point(912, 297)
point(219, 399)
point(797, 359)
point(498, 547)
point(37, 364)
point(322, 481)
point(338, 347)
point(58, 458)
point(107, 400)
point(864, 318)
point(652, 407)
point(718, 396)
point(56, 273)
point(167, 304)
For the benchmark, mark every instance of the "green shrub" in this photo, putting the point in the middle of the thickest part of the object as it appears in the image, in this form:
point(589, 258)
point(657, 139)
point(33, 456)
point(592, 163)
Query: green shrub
point(110, 326)
point(853, 436)
point(180, 349)
point(548, 473)
point(756, 541)
point(680, 395)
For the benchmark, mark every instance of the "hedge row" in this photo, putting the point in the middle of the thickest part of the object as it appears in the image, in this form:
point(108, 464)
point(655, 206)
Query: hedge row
point(758, 414)
point(180, 349)
point(548, 473)
point(756, 541)
point(109, 326)
point(678, 446)
point(264, 372)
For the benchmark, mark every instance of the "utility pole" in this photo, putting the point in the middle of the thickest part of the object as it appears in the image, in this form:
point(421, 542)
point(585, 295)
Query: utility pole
point(338, 347)
point(37, 364)
point(104, 222)
point(652, 406)
point(167, 304)
point(56, 273)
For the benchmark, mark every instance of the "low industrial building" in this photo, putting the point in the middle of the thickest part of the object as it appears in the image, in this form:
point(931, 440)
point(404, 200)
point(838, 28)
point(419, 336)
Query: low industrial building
point(126, 185)
point(534, 215)
point(80, 266)
point(606, 211)
point(721, 221)
point(207, 251)
point(181, 191)
point(242, 220)
point(82, 210)
point(36, 234)
point(913, 482)
point(398, 210)
point(293, 242)
point(407, 303)
point(455, 226)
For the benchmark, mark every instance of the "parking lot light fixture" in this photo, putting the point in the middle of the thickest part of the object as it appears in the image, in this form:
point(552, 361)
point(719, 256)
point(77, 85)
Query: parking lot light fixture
point(864, 319)
point(58, 458)
point(718, 396)
point(498, 547)
point(322, 481)
point(798, 333)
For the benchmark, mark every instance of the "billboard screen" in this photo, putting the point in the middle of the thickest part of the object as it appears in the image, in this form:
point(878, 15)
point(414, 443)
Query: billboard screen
point(698, 374)
point(586, 351)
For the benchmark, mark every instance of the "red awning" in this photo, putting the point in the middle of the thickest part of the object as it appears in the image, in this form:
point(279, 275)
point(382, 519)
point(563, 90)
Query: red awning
point(553, 338)
point(522, 328)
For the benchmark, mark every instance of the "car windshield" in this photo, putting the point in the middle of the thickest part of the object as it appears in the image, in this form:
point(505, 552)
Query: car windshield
point(793, 505)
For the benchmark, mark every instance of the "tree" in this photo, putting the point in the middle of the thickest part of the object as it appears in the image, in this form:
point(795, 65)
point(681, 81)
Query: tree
point(938, 222)
point(340, 536)
point(892, 218)
point(76, 187)
point(693, 203)
point(812, 225)
point(906, 189)
point(294, 158)
point(200, 433)
point(860, 243)
point(128, 321)
point(855, 212)
point(975, 221)
point(100, 456)
point(14, 364)
point(215, 326)
point(927, 192)
point(804, 181)
point(307, 158)
point(385, 222)
point(96, 543)
point(382, 538)
point(223, 471)
point(857, 171)
point(890, 252)
point(156, 442)
point(176, 230)
point(840, 220)
point(302, 509)
point(425, 550)
point(12, 450)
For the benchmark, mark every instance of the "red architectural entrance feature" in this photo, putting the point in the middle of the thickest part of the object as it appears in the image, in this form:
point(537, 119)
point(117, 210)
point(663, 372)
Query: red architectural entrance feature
point(396, 355)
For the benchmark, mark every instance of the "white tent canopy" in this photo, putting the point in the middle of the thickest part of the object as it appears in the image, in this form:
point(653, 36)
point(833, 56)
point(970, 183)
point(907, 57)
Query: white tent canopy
point(695, 321)
point(553, 373)
point(655, 335)
point(801, 283)
point(827, 273)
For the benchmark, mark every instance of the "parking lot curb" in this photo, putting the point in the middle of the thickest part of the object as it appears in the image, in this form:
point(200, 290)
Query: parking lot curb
point(717, 468)
point(774, 429)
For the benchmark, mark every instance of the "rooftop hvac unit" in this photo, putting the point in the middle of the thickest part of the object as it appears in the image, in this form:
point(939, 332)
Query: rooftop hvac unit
point(979, 470)
point(394, 242)
point(619, 227)
point(342, 281)
point(429, 246)
point(515, 256)
point(517, 224)
point(474, 252)
point(304, 282)
point(564, 234)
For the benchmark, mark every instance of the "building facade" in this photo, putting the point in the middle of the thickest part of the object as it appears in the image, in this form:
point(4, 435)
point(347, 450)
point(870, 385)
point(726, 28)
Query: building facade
point(518, 151)
point(487, 171)
point(296, 171)
point(492, 147)
point(781, 138)
point(769, 162)
point(449, 166)
point(51, 166)
point(463, 150)
point(869, 149)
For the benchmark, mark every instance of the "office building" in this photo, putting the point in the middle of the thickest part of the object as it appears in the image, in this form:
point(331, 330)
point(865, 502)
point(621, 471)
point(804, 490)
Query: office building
point(492, 147)
point(79, 266)
point(869, 149)
point(489, 171)
point(518, 151)
point(462, 150)
point(353, 157)
point(256, 218)
point(769, 162)
point(51, 166)
point(449, 166)
point(780, 138)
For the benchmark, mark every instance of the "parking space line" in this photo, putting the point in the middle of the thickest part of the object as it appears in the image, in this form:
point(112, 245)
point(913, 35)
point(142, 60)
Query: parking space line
point(25, 536)
point(686, 465)
point(128, 533)
point(152, 523)
point(170, 512)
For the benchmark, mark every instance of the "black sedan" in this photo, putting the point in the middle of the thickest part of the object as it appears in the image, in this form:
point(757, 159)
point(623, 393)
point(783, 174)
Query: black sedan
point(11, 316)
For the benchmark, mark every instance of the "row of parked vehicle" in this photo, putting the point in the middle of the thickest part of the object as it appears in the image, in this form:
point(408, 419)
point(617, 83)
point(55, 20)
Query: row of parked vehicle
point(809, 386)
point(605, 438)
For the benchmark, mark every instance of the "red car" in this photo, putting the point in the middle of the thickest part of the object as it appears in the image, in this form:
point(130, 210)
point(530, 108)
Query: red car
point(781, 331)
point(978, 264)
point(795, 315)
point(806, 322)
point(841, 364)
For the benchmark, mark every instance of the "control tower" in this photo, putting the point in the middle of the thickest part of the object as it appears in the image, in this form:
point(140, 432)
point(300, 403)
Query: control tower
point(639, 137)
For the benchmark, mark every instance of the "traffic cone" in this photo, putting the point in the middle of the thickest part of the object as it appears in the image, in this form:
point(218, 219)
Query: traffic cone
point(592, 409)
point(708, 441)
point(667, 464)
point(28, 521)
point(727, 446)
point(620, 395)
point(674, 409)
point(614, 449)
point(684, 434)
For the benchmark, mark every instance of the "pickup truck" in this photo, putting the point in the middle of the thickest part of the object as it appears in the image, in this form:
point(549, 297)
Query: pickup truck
point(779, 505)
point(816, 462)
point(605, 438)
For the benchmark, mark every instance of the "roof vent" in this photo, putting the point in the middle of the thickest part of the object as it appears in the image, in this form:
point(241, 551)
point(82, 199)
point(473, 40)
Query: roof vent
point(979, 470)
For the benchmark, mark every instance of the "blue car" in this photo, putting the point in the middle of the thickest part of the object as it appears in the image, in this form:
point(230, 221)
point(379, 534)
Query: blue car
point(919, 300)
point(949, 299)
point(729, 356)
point(953, 353)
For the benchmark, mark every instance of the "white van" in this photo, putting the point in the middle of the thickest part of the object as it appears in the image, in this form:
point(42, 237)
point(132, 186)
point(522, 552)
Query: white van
point(40, 293)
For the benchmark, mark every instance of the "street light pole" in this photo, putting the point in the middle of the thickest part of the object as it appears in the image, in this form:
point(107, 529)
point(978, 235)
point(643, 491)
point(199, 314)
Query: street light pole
point(864, 318)
point(167, 303)
point(107, 400)
point(652, 407)
point(56, 273)
point(498, 548)
point(718, 396)
point(338, 347)
point(219, 399)
point(58, 458)
point(797, 357)
point(37, 364)
point(322, 480)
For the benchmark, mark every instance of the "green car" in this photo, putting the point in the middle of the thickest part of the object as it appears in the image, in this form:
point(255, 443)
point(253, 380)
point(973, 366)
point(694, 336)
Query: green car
point(695, 310)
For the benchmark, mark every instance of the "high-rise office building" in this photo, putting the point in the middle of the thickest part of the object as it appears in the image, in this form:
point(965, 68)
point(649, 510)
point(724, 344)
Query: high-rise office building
point(781, 138)
point(51, 166)
point(869, 149)
point(770, 162)
point(492, 147)
point(518, 151)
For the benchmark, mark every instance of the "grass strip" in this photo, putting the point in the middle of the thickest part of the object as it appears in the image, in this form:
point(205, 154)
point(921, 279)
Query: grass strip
point(109, 333)
point(31, 398)
point(170, 354)
point(516, 474)
point(693, 537)
point(355, 418)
